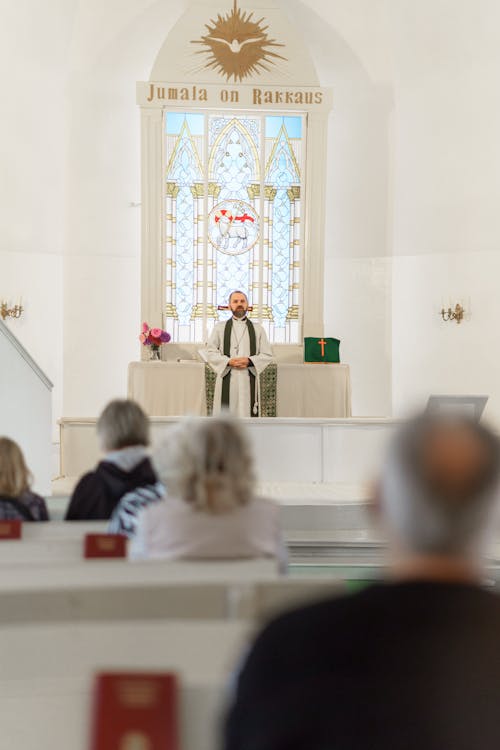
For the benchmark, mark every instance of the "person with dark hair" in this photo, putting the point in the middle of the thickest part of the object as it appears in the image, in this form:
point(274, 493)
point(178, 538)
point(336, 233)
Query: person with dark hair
point(123, 432)
point(238, 351)
point(17, 501)
point(413, 662)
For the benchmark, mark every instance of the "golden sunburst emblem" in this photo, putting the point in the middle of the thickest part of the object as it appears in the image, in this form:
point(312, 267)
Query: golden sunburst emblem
point(237, 47)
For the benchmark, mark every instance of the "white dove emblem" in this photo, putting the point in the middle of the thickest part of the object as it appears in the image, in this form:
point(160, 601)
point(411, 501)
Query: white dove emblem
point(236, 46)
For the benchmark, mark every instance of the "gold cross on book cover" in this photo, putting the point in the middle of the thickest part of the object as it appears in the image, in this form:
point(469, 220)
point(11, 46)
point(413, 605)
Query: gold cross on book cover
point(321, 349)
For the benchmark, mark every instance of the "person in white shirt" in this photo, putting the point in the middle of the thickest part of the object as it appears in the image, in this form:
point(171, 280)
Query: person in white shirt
point(209, 510)
point(238, 350)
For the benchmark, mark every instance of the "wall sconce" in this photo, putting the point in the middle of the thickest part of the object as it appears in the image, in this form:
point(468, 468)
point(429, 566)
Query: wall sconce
point(456, 314)
point(10, 312)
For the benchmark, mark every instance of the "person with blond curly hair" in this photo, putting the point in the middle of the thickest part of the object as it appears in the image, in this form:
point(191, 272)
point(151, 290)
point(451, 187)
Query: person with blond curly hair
point(209, 509)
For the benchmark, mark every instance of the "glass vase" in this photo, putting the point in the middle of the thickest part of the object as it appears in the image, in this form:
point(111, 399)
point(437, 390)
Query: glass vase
point(154, 355)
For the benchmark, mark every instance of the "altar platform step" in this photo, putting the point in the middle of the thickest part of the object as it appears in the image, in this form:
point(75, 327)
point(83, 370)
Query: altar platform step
point(287, 450)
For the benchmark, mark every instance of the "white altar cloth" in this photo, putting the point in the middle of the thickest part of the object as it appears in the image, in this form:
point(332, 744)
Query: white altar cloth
point(174, 389)
point(313, 390)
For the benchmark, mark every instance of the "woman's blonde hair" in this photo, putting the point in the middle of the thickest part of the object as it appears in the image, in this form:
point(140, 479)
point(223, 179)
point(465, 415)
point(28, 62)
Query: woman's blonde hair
point(15, 477)
point(207, 462)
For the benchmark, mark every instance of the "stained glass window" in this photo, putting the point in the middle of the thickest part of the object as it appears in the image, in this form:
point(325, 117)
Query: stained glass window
point(232, 220)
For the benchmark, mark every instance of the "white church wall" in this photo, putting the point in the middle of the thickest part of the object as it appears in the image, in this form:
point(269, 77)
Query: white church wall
point(107, 50)
point(102, 261)
point(357, 311)
point(413, 169)
point(25, 406)
point(349, 46)
point(101, 329)
point(447, 161)
point(70, 150)
point(37, 277)
point(436, 357)
point(113, 46)
point(34, 39)
point(447, 191)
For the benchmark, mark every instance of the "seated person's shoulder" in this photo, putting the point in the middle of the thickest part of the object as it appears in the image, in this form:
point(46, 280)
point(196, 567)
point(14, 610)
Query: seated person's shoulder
point(336, 612)
point(143, 473)
point(139, 499)
point(264, 502)
point(36, 505)
point(86, 495)
point(155, 509)
point(87, 483)
point(264, 505)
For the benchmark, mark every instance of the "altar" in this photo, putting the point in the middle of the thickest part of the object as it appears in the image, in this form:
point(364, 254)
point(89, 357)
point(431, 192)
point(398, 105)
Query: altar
point(303, 390)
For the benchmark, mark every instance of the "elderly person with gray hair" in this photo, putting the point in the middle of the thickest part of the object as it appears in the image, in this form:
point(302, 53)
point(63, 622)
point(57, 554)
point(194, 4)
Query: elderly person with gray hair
point(413, 662)
point(210, 509)
point(123, 432)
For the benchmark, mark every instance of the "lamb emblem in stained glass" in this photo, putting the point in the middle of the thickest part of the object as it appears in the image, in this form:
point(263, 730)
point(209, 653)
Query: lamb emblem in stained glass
point(233, 227)
point(238, 47)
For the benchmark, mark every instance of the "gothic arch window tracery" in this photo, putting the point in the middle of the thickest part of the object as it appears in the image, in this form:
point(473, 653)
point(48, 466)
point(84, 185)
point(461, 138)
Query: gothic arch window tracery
point(236, 179)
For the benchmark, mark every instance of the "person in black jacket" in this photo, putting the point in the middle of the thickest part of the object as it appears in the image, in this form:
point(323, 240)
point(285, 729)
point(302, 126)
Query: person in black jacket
point(123, 431)
point(17, 501)
point(413, 662)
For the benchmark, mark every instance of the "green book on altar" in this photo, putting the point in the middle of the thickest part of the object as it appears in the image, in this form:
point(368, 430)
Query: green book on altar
point(321, 349)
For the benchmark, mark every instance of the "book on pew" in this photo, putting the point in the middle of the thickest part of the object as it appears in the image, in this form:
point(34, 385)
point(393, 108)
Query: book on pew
point(11, 529)
point(135, 711)
point(105, 545)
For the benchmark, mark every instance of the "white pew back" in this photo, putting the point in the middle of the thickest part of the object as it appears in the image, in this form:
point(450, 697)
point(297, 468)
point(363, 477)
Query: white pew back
point(64, 618)
point(118, 604)
point(101, 574)
point(46, 676)
point(62, 530)
point(55, 715)
point(170, 602)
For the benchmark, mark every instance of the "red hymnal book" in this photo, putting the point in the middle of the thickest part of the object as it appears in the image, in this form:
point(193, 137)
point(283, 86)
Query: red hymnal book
point(135, 711)
point(105, 545)
point(10, 529)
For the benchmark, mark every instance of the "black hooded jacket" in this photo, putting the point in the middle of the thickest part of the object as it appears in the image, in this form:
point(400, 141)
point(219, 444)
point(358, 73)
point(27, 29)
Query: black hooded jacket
point(97, 493)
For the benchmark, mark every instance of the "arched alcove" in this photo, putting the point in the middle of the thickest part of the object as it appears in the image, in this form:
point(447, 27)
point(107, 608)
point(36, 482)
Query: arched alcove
point(237, 78)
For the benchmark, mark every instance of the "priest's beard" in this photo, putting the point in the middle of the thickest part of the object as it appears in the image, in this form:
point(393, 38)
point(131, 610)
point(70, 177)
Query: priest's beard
point(239, 313)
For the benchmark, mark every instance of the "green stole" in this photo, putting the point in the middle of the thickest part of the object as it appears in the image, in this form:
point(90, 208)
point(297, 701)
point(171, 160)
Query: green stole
point(227, 352)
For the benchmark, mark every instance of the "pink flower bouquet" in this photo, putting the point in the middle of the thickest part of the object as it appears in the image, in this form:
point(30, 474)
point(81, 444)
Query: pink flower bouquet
point(153, 337)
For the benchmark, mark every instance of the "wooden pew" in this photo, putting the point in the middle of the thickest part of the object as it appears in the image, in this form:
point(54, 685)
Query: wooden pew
point(47, 676)
point(62, 622)
point(44, 714)
point(62, 529)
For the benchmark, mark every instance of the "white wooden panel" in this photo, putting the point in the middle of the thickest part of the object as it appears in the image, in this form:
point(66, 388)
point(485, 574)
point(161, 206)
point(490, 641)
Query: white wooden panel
point(201, 650)
point(26, 407)
point(353, 453)
point(45, 714)
point(98, 574)
point(286, 452)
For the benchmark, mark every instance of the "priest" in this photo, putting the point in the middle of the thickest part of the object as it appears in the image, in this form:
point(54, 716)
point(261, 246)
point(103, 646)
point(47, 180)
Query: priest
point(238, 351)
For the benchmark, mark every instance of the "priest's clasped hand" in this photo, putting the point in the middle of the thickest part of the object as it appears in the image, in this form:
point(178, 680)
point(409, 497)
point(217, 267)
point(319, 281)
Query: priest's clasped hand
point(240, 363)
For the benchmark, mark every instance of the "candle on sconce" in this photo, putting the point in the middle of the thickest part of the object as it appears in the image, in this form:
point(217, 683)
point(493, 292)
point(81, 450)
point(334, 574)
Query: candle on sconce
point(454, 312)
point(10, 312)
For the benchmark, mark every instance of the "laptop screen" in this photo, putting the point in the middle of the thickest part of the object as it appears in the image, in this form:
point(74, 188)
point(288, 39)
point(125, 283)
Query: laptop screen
point(467, 406)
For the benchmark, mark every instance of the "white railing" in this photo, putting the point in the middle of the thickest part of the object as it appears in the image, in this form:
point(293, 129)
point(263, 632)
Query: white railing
point(26, 406)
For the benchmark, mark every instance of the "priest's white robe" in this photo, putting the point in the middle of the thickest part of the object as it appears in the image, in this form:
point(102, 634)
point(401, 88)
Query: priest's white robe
point(239, 386)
